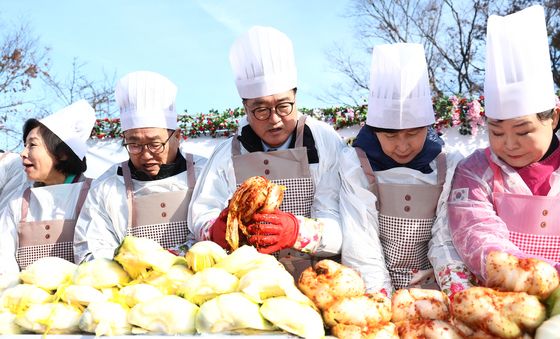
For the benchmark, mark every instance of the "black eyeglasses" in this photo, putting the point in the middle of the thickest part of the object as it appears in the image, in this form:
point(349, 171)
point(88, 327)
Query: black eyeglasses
point(153, 147)
point(282, 109)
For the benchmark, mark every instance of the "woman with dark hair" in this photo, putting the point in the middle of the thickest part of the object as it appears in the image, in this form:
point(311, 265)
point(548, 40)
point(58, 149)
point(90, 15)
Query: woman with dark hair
point(40, 221)
point(395, 183)
point(505, 198)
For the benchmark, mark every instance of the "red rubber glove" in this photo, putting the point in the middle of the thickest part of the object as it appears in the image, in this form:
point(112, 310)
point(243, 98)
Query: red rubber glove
point(218, 229)
point(273, 231)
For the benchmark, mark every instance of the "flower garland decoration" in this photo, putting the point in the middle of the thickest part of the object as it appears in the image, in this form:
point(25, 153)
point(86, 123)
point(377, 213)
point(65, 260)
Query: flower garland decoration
point(465, 113)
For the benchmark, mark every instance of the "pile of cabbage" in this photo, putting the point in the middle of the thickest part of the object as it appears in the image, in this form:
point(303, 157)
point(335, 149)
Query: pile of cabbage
point(147, 290)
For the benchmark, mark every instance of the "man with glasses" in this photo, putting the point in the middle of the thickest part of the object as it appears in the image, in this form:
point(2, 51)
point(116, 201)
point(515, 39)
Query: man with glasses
point(148, 195)
point(278, 142)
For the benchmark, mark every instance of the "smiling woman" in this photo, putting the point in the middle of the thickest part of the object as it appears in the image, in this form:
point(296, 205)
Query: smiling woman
point(505, 197)
point(40, 222)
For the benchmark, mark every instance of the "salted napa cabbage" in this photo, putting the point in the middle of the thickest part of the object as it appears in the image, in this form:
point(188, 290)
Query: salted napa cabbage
point(244, 259)
point(294, 317)
point(105, 318)
point(207, 284)
point(550, 329)
point(139, 293)
point(54, 318)
point(169, 282)
point(101, 273)
point(20, 297)
point(262, 283)
point(80, 294)
point(259, 262)
point(139, 256)
point(8, 279)
point(230, 312)
point(7, 324)
point(48, 273)
point(169, 314)
point(203, 255)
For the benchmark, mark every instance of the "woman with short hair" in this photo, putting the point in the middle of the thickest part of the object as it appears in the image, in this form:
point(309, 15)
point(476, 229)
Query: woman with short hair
point(39, 220)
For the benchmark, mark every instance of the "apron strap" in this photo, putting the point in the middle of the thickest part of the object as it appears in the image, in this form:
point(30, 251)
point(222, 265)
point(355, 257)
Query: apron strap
point(441, 168)
point(235, 145)
point(299, 130)
point(498, 178)
point(191, 179)
point(366, 166)
point(25, 203)
point(368, 171)
point(82, 197)
point(129, 193)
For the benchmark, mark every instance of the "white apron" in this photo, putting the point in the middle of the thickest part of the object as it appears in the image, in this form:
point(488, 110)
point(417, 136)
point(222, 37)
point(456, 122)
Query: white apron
point(533, 221)
point(406, 215)
point(47, 238)
point(160, 216)
point(285, 167)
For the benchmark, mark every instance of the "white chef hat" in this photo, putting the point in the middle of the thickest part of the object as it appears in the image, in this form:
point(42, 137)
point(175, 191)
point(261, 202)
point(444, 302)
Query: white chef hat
point(146, 99)
point(399, 90)
point(518, 77)
point(73, 125)
point(263, 63)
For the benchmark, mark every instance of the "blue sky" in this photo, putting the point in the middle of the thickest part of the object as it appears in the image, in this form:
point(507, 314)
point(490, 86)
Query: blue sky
point(186, 40)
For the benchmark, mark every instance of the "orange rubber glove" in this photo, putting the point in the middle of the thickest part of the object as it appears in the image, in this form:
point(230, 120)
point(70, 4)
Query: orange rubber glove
point(218, 229)
point(273, 231)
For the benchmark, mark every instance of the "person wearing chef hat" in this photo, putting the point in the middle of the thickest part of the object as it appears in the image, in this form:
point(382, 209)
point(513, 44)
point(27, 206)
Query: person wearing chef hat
point(278, 142)
point(395, 182)
point(148, 195)
point(40, 221)
point(506, 197)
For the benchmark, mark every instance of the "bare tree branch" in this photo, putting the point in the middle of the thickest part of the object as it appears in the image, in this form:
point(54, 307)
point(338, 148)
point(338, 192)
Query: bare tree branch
point(453, 34)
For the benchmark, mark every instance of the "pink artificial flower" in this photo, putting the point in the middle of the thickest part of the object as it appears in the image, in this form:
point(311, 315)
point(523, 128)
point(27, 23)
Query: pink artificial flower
point(350, 114)
point(462, 275)
point(454, 101)
point(456, 117)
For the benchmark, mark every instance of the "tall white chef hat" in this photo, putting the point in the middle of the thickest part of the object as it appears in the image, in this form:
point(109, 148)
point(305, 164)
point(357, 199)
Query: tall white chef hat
point(399, 90)
point(263, 63)
point(73, 125)
point(518, 77)
point(146, 99)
